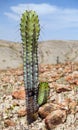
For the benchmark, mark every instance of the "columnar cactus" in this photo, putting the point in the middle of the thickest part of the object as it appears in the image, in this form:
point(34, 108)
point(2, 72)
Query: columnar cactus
point(30, 30)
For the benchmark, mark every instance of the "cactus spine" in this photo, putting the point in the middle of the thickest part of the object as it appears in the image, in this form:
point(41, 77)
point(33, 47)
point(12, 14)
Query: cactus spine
point(30, 30)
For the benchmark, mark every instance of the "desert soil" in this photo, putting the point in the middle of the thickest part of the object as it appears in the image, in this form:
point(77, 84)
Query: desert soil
point(63, 99)
point(61, 110)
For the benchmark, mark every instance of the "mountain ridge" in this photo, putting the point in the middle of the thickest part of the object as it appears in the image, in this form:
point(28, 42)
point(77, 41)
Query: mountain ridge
point(51, 52)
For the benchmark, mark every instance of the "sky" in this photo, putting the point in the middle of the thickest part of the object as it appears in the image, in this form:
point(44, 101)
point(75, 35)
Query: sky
point(58, 18)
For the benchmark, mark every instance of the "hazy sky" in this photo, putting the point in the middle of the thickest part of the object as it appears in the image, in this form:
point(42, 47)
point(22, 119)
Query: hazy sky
point(58, 18)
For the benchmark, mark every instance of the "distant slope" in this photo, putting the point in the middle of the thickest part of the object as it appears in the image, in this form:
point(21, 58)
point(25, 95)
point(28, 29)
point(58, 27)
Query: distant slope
point(64, 50)
point(49, 52)
point(10, 54)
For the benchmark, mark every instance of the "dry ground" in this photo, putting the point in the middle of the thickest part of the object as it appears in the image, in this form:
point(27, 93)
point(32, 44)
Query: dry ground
point(62, 78)
point(63, 82)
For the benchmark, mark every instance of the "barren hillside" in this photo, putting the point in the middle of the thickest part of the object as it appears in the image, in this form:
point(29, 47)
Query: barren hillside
point(49, 52)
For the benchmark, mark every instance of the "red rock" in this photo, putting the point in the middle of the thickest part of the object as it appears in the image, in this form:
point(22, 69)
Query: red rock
point(51, 85)
point(63, 103)
point(15, 103)
point(6, 79)
point(20, 94)
point(9, 122)
point(41, 69)
point(22, 112)
point(19, 72)
point(62, 88)
point(77, 108)
point(55, 118)
point(46, 109)
point(76, 82)
point(68, 67)
point(73, 78)
point(69, 78)
point(75, 74)
point(72, 106)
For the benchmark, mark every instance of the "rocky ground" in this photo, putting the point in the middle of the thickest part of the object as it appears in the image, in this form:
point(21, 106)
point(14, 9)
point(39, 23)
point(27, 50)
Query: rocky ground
point(59, 113)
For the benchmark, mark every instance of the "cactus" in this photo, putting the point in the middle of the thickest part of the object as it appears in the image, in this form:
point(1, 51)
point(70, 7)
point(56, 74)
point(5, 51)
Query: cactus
point(30, 31)
point(43, 93)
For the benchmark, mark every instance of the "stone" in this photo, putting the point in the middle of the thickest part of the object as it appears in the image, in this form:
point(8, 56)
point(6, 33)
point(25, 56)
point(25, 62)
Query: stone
point(69, 105)
point(72, 107)
point(77, 109)
point(62, 100)
point(41, 69)
point(51, 85)
point(15, 103)
point(22, 112)
point(19, 72)
point(9, 122)
point(6, 79)
point(20, 94)
point(62, 88)
point(73, 78)
point(46, 109)
point(55, 118)
point(75, 74)
point(76, 82)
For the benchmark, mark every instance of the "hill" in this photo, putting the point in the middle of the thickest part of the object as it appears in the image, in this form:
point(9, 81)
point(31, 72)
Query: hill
point(49, 52)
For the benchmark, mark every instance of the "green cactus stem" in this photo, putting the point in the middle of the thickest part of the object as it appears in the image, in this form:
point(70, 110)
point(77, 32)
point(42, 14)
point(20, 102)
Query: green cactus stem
point(30, 31)
point(43, 93)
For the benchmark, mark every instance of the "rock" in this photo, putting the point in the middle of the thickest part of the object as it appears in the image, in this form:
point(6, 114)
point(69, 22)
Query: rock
point(69, 78)
point(64, 103)
point(67, 70)
point(72, 106)
point(22, 112)
point(77, 109)
point(51, 85)
point(20, 94)
point(75, 74)
point(41, 69)
point(73, 78)
point(9, 122)
point(62, 88)
point(69, 105)
point(55, 118)
point(46, 109)
point(76, 81)
point(15, 103)
point(6, 79)
point(19, 72)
